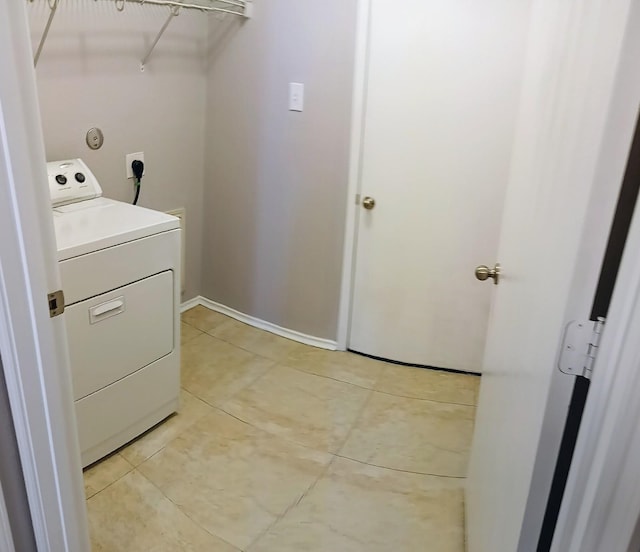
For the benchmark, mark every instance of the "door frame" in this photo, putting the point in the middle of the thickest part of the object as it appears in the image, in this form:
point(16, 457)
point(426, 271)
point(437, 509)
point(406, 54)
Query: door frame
point(33, 345)
point(602, 500)
point(358, 118)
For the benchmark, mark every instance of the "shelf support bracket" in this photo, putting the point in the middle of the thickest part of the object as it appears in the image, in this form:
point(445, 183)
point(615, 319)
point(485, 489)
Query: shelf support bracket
point(52, 12)
point(174, 12)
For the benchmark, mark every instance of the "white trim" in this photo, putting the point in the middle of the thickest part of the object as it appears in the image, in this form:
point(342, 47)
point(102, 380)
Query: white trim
point(359, 110)
point(602, 499)
point(33, 346)
point(6, 539)
point(261, 324)
point(602, 502)
point(189, 304)
point(599, 504)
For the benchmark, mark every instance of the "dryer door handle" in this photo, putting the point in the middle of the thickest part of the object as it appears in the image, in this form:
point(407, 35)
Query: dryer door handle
point(106, 310)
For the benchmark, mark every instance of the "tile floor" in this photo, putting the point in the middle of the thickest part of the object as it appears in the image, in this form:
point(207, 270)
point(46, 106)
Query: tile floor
point(281, 447)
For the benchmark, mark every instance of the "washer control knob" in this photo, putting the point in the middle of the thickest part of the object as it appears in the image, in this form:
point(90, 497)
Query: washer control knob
point(80, 177)
point(61, 179)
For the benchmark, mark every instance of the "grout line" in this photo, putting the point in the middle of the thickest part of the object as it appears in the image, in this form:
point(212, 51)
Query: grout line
point(245, 422)
point(376, 390)
point(185, 513)
point(152, 456)
point(244, 348)
point(471, 405)
point(158, 425)
point(277, 436)
point(183, 341)
point(232, 395)
point(356, 420)
point(291, 506)
point(115, 480)
point(399, 469)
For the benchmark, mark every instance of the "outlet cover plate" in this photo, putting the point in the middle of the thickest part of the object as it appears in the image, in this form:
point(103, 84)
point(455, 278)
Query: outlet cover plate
point(130, 158)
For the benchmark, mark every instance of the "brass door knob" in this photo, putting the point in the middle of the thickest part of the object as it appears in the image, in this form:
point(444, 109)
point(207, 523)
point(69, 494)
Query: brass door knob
point(368, 203)
point(483, 273)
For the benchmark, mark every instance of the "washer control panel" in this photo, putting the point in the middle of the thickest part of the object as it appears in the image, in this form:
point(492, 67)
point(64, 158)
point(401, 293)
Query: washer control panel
point(71, 181)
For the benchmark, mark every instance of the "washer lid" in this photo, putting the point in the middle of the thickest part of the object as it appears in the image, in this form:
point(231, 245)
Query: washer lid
point(99, 223)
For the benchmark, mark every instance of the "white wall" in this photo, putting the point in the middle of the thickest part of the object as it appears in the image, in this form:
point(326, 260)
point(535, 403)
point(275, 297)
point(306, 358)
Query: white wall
point(275, 180)
point(89, 75)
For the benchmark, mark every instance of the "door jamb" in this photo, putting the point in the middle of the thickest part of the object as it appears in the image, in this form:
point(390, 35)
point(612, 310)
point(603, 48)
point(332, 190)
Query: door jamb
point(358, 117)
point(34, 354)
point(602, 499)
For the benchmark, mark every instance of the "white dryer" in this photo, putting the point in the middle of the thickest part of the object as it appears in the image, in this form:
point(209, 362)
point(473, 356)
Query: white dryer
point(120, 268)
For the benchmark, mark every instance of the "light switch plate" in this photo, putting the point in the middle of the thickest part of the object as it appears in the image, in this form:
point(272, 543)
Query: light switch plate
point(130, 158)
point(296, 96)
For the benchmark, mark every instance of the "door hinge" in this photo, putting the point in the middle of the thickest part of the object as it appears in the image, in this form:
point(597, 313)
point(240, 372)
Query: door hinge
point(56, 303)
point(580, 345)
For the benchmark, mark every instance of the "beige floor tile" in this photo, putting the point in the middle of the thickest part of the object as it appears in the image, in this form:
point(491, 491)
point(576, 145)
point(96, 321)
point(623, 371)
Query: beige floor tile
point(363, 376)
point(311, 410)
point(254, 340)
point(214, 370)
point(231, 478)
point(203, 318)
point(191, 410)
point(187, 333)
point(340, 365)
point(359, 508)
point(105, 472)
point(412, 434)
point(423, 383)
point(132, 515)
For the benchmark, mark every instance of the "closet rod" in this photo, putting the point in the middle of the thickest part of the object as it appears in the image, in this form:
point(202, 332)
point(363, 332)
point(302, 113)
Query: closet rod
point(241, 8)
point(201, 7)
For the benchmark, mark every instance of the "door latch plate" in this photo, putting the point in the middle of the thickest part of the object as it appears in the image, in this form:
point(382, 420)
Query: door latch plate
point(56, 303)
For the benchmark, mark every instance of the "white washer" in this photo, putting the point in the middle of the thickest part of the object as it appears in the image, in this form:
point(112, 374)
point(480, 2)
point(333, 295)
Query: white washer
point(120, 268)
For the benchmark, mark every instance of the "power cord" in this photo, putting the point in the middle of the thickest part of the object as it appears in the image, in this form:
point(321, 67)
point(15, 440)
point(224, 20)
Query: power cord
point(137, 168)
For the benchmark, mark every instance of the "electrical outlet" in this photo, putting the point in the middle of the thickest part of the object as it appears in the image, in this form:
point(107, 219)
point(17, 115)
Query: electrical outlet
point(130, 158)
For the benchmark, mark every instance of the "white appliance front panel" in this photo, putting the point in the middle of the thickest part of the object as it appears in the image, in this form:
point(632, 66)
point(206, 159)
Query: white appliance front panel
point(123, 410)
point(96, 273)
point(117, 333)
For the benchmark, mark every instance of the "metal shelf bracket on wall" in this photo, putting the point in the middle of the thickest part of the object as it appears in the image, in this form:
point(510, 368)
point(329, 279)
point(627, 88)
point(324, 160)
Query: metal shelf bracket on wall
point(174, 12)
point(241, 8)
point(53, 6)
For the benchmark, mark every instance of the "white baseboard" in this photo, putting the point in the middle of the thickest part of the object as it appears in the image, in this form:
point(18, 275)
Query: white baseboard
point(190, 304)
point(259, 323)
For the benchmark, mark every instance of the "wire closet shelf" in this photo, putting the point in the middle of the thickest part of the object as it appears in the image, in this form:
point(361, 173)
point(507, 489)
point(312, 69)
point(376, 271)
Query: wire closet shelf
point(240, 8)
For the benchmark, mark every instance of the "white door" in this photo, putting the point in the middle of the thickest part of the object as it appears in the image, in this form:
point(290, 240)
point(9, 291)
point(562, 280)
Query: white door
point(574, 48)
point(33, 345)
point(443, 85)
